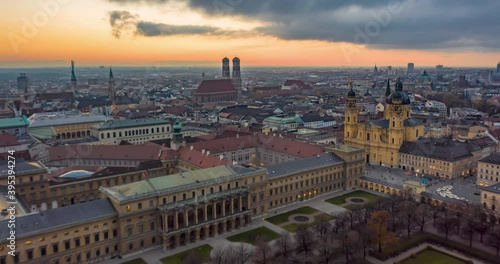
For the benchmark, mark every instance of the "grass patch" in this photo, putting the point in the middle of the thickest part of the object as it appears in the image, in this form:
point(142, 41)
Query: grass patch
point(406, 244)
point(251, 236)
point(317, 220)
point(283, 218)
point(340, 200)
point(202, 251)
point(432, 256)
point(135, 261)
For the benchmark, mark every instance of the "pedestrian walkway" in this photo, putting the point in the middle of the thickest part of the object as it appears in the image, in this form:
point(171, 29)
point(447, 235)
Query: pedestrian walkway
point(419, 248)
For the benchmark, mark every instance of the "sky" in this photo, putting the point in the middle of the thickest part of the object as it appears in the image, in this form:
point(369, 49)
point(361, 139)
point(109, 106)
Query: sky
point(323, 33)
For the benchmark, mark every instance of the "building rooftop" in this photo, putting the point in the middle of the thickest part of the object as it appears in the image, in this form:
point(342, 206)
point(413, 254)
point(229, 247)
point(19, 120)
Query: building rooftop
point(495, 188)
point(62, 217)
point(177, 182)
point(13, 122)
point(22, 167)
point(117, 152)
point(215, 86)
point(132, 123)
point(440, 149)
point(283, 120)
point(299, 165)
point(493, 159)
point(63, 118)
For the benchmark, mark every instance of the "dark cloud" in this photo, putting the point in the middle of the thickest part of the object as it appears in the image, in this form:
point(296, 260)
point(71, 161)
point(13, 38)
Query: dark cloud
point(406, 24)
point(124, 21)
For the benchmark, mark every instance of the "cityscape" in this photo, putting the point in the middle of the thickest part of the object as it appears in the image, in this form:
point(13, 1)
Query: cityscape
point(240, 132)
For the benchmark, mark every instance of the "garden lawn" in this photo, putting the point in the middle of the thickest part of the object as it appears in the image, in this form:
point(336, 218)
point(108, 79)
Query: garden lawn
point(251, 236)
point(283, 218)
point(203, 251)
point(432, 256)
point(340, 200)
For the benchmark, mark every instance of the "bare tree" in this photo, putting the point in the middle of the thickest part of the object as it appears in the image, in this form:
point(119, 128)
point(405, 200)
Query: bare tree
point(238, 254)
point(262, 252)
point(323, 226)
point(348, 243)
point(378, 223)
point(469, 228)
point(285, 245)
point(446, 222)
point(421, 214)
point(495, 239)
point(218, 255)
point(192, 258)
point(434, 211)
point(340, 219)
point(460, 210)
point(482, 225)
point(305, 241)
point(407, 213)
point(326, 250)
point(365, 238)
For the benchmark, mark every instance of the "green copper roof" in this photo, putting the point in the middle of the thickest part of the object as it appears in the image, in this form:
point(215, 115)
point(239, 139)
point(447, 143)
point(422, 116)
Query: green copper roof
point(11, 122)
point(132, 123)
point(283, 120)
point(176, 182)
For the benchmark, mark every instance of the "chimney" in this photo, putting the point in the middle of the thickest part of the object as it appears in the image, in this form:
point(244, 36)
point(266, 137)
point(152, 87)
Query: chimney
point(191, 147)
point(203, 151)
point(221, 157)
point(208, 153)
point(237, 135)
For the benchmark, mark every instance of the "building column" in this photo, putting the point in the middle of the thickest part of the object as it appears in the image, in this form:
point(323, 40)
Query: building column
point(176, 220)
point(205, 213)
point(231, 204)
point(223, 207)
point(214, 210)
point(196, 215)
point(165, 223)
point(186, 219)
point(248, 202)
point(177, 240)
point(240, 201)
point(197, 234)
point(165, 243)
point(233, 224)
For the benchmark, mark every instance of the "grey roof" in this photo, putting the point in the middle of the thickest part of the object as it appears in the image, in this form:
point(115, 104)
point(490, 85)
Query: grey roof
point(384, 123)
point(299, 165)
point(494, 159)
point(22, 167)
point(62, 217)
point(441, 149)
point(63, 118)
point(386, 183)
point(411, 122)
point(493, 188)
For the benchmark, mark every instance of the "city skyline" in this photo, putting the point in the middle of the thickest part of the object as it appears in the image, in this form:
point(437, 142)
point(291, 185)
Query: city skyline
point(262, 33)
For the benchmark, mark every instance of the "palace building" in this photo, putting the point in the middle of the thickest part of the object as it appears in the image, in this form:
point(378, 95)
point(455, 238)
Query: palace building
point(382, 138)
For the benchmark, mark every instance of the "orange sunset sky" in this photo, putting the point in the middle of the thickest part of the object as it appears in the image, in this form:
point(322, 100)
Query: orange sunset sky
point(35, 35)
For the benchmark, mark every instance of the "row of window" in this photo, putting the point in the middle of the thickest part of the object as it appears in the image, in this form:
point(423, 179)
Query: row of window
point(136, 132)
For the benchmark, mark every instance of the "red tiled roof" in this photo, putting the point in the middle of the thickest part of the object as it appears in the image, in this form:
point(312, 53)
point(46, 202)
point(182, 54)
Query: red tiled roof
point(196, 158)
point(8, 140)
point(118, 152)
point(270, 142)
point(215, 86)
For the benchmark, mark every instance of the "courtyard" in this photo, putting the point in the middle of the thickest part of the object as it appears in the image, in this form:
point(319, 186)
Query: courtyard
point(432, 256)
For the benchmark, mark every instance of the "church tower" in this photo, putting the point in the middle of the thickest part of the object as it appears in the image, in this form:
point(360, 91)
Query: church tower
point(73, 77)
point(225, 68)
point(111, 87)
point(236, 78)
point(351, 115)
point(178, 138)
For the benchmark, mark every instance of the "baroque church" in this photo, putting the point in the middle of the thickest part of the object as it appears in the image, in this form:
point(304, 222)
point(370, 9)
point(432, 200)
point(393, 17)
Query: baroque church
point(382, 138)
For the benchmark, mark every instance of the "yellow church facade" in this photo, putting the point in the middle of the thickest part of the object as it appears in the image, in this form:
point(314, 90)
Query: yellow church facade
point(382, 138)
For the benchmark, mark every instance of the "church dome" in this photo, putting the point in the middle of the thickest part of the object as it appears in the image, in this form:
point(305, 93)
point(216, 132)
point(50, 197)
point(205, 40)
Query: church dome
point(351, 93)
point(399, 95)
point(225, 59)
point(236, 59)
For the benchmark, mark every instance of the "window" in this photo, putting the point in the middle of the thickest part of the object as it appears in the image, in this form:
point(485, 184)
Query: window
point(55, 248)
point(67, 245)
point(129, 231)
point(77, 242)
point(115, 233)
point(139, 205)
point(106, 235)
point(87, 240)
point(152, 226)
point(96, 237)
point(43, 251)
point(30, 254)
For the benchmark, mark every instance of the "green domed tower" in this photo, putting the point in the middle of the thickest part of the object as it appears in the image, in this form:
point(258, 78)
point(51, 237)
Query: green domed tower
point(178, 138)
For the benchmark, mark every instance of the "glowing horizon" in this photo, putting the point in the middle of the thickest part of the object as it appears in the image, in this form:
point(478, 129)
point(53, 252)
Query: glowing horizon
point(81, 31)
